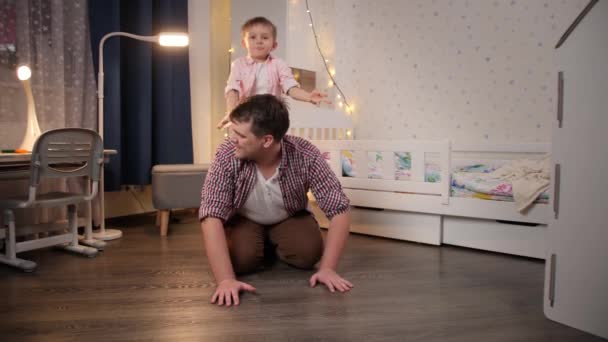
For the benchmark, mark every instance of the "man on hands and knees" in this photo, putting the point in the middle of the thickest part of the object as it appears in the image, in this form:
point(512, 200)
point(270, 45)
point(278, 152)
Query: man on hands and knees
point(256, 192)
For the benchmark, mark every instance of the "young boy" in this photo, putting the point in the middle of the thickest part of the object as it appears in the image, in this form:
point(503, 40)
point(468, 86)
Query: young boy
point(261, 73)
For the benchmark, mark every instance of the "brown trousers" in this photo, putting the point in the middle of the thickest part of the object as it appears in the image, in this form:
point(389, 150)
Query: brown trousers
point(297, 241)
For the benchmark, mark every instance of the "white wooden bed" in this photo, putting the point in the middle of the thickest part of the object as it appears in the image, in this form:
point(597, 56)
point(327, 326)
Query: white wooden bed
point(413, 209)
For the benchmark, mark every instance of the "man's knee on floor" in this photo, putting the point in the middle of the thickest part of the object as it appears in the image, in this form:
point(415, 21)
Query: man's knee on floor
point(304, 257)
point(245, 261)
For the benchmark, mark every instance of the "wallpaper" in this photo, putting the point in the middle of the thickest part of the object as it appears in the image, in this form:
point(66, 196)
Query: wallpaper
point(468, 70)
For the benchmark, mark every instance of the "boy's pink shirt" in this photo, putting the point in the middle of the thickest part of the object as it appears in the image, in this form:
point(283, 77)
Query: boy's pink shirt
point(242, 77)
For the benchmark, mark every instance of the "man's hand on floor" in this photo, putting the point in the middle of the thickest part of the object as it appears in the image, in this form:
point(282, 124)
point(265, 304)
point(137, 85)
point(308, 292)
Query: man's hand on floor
point(227, 292)
point(331, 279)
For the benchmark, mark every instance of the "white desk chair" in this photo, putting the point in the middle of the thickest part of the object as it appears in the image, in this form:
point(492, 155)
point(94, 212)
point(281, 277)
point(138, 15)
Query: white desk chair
point(65, 152)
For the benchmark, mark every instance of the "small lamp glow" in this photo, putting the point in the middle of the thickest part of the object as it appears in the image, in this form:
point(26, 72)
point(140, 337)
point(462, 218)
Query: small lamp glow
point(173, 39)
point(24, 73)
point(32, 130)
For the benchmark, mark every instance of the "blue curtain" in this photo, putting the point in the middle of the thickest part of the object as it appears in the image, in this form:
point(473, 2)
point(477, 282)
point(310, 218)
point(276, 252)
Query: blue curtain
point(147, 87)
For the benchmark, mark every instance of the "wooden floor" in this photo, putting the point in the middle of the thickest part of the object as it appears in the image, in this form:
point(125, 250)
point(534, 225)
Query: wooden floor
point(144, 287)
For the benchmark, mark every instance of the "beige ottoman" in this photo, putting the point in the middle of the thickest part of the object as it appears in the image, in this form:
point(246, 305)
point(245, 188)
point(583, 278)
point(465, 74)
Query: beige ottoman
point(176, 186)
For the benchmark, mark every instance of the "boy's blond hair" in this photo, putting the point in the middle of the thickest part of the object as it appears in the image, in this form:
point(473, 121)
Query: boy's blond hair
point(258, 21)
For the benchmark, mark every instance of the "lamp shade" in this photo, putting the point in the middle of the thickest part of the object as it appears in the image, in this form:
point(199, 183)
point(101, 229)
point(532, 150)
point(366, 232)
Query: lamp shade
point(24, 73)
point(176, 39)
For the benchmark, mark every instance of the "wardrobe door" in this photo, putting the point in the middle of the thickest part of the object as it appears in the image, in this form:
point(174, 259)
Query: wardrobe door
point(576, 282)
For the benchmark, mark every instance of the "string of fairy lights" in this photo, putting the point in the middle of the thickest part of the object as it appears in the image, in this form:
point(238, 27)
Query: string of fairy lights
point(331, 73)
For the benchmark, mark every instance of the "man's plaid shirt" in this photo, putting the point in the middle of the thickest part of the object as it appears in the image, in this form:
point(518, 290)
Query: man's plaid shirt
point(302, 167)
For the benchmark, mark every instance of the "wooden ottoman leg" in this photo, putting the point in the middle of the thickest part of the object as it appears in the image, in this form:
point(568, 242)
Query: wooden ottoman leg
point(164, 222)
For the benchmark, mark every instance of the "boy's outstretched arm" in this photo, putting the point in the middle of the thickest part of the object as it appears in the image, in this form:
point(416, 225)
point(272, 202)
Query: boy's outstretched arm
point(300, 94)
point(232, 99)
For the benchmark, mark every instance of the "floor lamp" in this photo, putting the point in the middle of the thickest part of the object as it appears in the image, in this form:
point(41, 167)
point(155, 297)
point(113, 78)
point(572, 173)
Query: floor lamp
point(164, 39)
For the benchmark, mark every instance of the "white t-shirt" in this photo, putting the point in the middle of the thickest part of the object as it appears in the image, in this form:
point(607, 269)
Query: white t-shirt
point(261, 79)
point(265, 202)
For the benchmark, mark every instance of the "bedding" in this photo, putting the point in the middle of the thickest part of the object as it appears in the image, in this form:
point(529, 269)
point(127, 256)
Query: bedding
point(348, 164)
point(403, 165)
point(432, 172)
point(522, 181)
point(529, 179)
point(465, 193)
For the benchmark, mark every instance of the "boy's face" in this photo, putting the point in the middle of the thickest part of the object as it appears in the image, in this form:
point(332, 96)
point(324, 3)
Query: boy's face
point(259, 42)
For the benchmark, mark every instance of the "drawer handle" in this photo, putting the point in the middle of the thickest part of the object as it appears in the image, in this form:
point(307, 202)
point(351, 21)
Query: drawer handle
point(560, 99)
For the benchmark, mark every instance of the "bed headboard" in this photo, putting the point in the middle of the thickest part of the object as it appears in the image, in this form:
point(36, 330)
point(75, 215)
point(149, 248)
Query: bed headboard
point(318, 123)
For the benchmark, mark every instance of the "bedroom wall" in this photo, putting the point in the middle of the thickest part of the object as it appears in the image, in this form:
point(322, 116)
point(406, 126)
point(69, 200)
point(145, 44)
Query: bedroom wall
point(468, 70)
point(209, 29)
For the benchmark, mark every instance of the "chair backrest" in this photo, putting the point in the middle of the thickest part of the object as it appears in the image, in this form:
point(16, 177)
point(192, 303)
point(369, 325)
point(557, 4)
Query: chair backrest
point(66, 152)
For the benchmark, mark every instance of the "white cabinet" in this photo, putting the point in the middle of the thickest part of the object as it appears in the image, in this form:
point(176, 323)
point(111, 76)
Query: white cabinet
point(576, 282)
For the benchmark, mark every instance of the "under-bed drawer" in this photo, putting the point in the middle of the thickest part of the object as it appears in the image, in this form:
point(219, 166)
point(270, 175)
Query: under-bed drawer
point(402, 225)
point(490, 235)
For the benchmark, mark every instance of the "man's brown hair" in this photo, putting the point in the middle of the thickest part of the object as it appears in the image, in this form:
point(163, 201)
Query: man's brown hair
point(267, 113)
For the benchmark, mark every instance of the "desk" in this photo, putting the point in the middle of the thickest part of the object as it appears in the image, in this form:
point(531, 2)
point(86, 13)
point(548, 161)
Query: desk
point(15, 166)
point(23, 159)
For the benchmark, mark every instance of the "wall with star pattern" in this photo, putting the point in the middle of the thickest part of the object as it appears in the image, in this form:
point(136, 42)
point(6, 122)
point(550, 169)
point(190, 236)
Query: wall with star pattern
point(471, 71)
